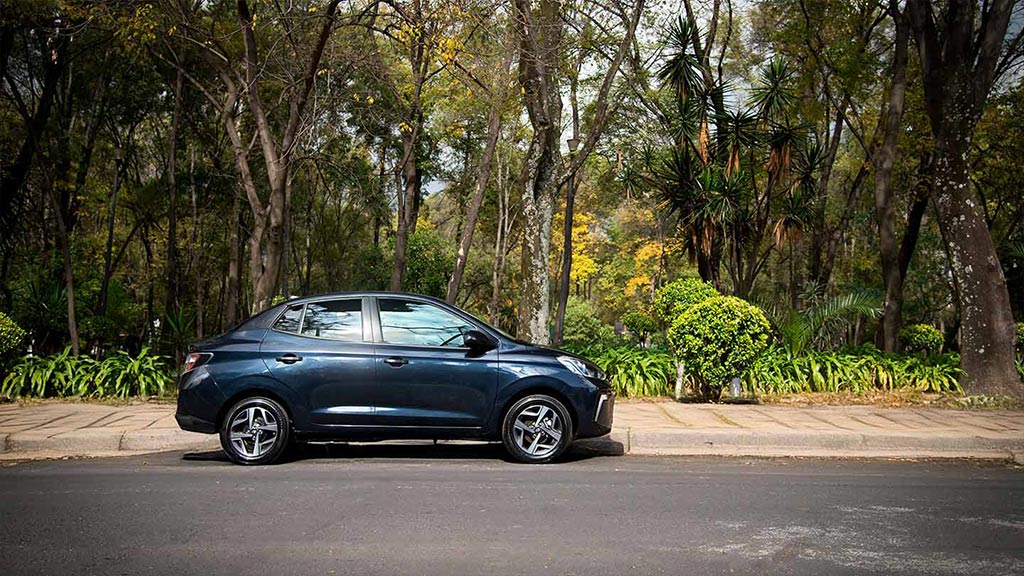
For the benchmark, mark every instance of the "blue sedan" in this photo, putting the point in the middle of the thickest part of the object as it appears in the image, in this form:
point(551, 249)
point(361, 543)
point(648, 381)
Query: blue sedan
point(381, 366)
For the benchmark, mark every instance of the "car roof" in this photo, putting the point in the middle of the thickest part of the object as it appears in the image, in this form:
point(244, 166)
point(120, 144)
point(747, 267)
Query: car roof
point(384, 294)
point(267, 317)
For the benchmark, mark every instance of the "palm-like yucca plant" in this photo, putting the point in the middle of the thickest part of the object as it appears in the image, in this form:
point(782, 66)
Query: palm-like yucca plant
point(681, 68)
point(738, 131)
point(800, 330)
point(773, 95)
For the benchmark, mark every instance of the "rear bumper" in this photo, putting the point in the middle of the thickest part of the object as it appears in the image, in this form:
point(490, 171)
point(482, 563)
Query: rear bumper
point(199, 402)
point(194, 424)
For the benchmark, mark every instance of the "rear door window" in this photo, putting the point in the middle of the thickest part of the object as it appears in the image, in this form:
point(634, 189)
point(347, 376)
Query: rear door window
point(334, 320)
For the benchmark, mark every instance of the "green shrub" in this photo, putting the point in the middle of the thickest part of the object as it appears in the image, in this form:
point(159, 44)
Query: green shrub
point(640, 323)
point(718, 340)
point(674, 298)
point(11, 339)
point(11, 335)
point(921, 338)
point(64, 374)
point(1020, 337)
point(635, 372)
point(779, 372)
point(583, 333)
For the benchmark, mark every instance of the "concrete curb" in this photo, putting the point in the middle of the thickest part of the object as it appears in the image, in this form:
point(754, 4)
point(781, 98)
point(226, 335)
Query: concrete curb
point(662, 442)
point(105, 442)
point(823, 444)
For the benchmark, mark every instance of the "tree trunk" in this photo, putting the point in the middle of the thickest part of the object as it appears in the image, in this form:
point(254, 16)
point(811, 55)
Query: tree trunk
point(101, 306)
point(538, 212)
point(503, 229)
point(988, 333)
point(65, 247)
point(883, 159)
point(12, 176)
point(570, 201)
point(196, 245)
point(540, 33)
point(409, 212)
point(819, 229)
point(234, 282)
point(268, 221)
point(171, 294)
point(499, 93)
point(960, 55)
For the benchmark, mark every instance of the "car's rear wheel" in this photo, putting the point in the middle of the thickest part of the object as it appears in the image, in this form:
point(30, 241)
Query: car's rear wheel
point(537, 429)
point(255, 431)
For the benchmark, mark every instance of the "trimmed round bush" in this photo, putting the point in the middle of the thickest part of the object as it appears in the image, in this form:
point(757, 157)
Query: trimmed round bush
point(921, 339)
point(674, 298)
point(640, 323)
point(719, 339)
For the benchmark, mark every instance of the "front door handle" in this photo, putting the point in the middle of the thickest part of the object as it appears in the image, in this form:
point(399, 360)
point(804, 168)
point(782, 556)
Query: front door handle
point(395, 361)
point(289, 359)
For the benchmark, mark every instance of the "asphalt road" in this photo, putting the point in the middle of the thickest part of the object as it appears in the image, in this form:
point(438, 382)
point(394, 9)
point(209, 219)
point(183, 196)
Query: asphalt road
point(387, 510)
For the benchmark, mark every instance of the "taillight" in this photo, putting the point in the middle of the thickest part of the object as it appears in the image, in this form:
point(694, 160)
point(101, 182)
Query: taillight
point(195, 360)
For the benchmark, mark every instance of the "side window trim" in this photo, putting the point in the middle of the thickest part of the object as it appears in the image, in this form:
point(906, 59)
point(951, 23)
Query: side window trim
point(376, 333)
point(366, 327)
point(367, 319)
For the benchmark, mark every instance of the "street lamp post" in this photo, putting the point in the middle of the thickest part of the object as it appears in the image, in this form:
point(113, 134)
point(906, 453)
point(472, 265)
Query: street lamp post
point(563, 286)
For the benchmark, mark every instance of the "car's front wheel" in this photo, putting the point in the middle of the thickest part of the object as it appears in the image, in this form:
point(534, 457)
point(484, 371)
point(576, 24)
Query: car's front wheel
point(537, 429)
point(255, 431)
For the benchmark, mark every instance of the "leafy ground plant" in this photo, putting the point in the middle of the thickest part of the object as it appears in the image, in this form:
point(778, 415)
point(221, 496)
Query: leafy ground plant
point(635, 372)
point(779, 371)
point(119, 375)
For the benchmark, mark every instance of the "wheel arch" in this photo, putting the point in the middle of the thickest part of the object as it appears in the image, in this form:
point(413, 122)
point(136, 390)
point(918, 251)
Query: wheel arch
point(546, 387)
point(252, 393)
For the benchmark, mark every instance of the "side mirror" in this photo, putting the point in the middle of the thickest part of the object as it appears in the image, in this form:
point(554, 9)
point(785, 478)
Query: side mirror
point(477, 341)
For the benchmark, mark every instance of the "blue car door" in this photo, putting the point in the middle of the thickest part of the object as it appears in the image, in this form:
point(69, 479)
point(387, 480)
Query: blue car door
point(323, 352)
point(425, 377)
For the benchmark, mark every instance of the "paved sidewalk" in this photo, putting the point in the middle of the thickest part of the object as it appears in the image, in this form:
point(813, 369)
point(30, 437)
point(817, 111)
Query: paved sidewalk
point(819, 431)
point(54, 430)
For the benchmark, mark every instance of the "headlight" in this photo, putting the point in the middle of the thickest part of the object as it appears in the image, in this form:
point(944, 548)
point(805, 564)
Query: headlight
point(582, 368)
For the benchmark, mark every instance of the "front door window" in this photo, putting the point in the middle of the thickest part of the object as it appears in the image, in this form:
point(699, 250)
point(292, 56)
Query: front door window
point(420, 324)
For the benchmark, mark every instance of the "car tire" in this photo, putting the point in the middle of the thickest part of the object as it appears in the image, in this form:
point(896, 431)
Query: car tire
point(537, 429)
point(255, 431)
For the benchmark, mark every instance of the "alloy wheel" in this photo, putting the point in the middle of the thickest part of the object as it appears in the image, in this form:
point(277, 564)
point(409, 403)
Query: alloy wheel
point(254, 431)
point(537, 429)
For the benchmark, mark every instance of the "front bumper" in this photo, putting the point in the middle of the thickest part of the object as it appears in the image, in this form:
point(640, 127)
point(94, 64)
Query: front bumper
point(600, 416)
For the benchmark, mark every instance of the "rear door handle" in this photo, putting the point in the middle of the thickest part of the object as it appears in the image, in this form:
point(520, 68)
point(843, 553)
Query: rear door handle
point(395, 361)
point(289, 359)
